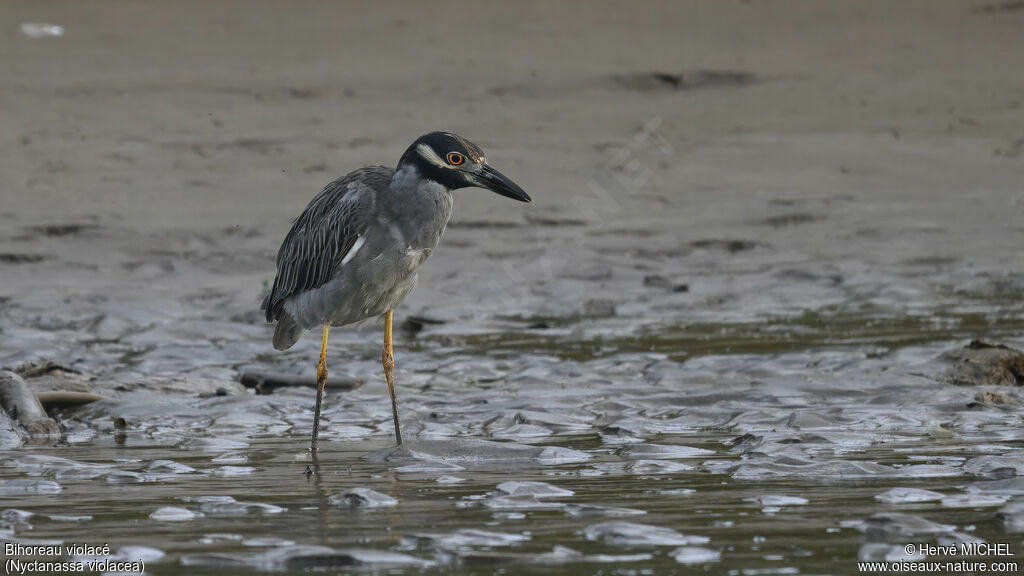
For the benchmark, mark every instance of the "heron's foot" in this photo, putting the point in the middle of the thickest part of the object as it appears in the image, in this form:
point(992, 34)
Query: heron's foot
point(388, 361)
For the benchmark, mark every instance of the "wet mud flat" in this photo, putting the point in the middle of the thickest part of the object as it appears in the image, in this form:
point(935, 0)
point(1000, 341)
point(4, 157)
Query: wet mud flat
point(734, 333)
point(626, 432)
point(805, 473)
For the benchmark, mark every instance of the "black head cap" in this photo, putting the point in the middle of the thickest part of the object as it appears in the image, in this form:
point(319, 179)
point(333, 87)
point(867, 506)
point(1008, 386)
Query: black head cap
point(454, 162)
point(429, 154)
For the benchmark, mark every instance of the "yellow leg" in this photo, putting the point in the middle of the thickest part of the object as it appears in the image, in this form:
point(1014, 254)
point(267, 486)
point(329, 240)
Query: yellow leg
point(388, 359)
point(321, 383)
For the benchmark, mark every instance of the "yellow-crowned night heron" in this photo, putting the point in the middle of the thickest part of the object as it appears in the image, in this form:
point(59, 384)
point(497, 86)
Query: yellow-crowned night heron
point(353, 252)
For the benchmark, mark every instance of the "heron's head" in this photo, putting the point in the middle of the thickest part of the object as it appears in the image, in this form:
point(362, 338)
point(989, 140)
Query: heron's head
point(454, 162)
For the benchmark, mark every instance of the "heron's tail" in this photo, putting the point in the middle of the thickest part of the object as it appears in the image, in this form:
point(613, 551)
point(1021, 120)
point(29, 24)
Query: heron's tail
point(287, 332)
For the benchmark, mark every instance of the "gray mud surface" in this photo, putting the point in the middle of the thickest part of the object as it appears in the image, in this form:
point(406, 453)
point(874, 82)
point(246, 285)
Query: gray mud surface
point(729, 336)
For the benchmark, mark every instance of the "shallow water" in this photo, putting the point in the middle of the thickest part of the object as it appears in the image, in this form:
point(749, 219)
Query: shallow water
point(466, 526)
point(782, 414)
point(727, 474)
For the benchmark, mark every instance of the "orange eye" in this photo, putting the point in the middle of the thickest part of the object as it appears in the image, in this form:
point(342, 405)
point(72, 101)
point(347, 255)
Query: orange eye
point(454, 158)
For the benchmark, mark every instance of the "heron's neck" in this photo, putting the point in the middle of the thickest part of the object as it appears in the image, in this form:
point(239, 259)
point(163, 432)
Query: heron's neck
point(406, 177)
point(409, 182)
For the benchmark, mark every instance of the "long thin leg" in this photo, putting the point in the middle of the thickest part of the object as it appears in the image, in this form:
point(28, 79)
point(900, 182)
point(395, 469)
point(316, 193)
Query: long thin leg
point(321, 383)
point(388, 359)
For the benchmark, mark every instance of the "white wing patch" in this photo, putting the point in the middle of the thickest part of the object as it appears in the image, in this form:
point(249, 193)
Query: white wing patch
point(415, 258)
point(352, 251)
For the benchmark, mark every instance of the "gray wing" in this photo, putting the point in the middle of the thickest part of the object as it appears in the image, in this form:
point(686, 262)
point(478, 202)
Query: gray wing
point(324, 233)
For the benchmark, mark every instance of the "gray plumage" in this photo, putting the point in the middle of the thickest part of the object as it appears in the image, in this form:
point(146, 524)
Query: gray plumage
point(353, 252)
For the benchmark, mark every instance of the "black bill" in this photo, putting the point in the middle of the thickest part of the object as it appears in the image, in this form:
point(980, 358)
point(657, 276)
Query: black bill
point(491, 179)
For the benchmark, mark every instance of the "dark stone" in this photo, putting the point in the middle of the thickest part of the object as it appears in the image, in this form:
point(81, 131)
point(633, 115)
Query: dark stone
point(413, 325)
point(730, 246)
point(686, 80)
point(983, 364)
point(267, 382)
point(658, 281)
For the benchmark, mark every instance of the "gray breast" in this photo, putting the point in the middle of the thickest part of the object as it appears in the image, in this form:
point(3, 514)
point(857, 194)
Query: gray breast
point(410, 218)
point(417, 210)
point(416, 213)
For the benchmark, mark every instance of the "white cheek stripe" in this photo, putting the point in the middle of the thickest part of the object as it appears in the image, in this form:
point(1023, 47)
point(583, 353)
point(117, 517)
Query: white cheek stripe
point(431, 156)
point(352, 251)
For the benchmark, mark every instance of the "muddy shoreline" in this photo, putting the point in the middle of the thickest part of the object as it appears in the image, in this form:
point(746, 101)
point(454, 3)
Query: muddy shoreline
point(720, 338)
